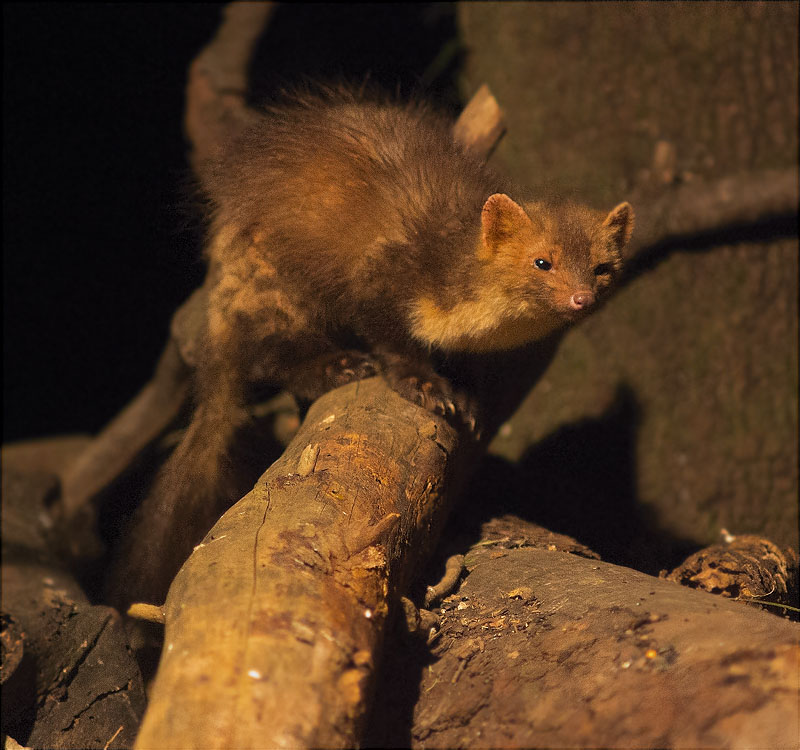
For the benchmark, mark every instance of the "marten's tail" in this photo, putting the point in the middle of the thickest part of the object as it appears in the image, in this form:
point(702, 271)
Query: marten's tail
point(196, 485)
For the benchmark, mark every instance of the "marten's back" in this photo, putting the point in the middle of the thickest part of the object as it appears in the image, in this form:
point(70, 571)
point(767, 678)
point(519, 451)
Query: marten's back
point(348, 194)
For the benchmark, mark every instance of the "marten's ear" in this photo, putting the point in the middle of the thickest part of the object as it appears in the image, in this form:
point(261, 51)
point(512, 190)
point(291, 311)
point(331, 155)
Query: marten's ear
point(501, 221)
point(620, 222)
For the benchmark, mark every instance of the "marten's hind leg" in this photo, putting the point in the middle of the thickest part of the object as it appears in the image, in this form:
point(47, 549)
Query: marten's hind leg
point(279, 340)
point(254, 332)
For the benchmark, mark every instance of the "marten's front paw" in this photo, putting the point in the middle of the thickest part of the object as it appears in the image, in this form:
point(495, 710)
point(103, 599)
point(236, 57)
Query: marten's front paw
point(349, 366)
point(436, 395)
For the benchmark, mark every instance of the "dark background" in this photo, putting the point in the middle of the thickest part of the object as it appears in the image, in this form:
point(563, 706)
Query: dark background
point(101, 237)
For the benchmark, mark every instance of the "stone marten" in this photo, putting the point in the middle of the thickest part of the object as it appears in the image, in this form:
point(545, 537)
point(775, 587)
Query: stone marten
point(335, 218)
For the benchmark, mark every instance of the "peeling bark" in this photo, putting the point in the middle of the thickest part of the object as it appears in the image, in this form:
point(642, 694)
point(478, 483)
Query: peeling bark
point(746, 566)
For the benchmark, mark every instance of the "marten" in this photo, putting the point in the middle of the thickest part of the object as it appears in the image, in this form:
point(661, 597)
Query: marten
point(338, 218)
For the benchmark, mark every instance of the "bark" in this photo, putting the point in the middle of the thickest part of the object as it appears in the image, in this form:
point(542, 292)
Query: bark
point(76, 683)
point(746, 567)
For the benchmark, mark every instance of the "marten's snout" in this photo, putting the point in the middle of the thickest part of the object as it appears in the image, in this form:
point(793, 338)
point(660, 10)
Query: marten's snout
point(581, 300)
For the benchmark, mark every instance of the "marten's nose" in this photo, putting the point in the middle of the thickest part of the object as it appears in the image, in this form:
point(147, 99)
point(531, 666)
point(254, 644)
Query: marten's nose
point(581, 300)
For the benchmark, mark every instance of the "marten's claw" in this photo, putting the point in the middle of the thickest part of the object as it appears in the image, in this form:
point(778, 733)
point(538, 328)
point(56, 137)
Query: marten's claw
point(437, 396)
point(349, 367)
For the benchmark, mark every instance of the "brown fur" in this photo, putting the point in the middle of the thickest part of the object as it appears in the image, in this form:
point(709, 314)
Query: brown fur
point(335, 216)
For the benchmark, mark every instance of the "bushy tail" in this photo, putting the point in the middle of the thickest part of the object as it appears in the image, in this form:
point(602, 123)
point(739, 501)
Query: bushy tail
point(196, 485)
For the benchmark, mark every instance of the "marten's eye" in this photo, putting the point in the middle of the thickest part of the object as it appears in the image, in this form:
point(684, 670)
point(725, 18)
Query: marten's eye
point(603, 269)
point(542, 264)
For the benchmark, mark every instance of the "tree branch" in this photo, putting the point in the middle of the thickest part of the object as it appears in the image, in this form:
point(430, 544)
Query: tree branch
point(283, 606)
point(690, 210)
point(215, 95)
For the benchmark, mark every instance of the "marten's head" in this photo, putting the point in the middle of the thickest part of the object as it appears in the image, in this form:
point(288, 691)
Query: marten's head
point(557, 258)
point(539, 268)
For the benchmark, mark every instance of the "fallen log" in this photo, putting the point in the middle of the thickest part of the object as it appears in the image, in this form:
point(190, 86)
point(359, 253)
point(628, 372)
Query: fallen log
point(274, 624)
point(541, 648)
point(77, 683)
